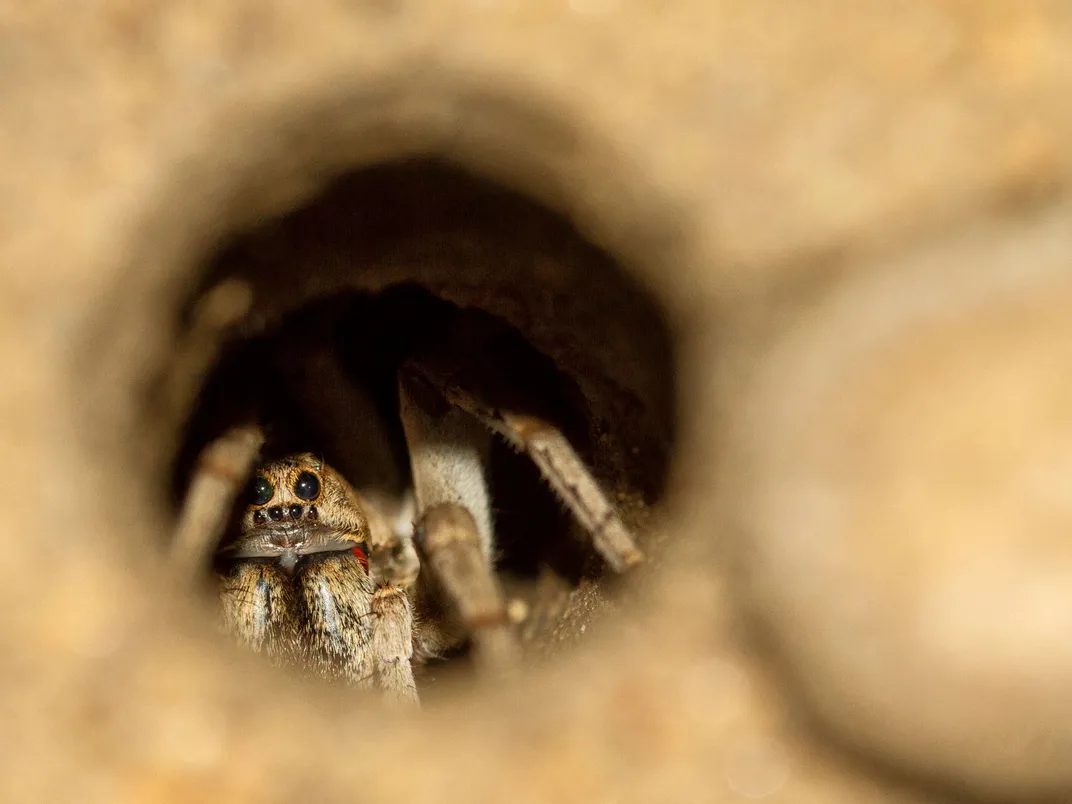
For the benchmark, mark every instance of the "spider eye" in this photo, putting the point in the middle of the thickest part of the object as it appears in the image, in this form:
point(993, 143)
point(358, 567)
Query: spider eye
point(308, 486)
point(263, 490)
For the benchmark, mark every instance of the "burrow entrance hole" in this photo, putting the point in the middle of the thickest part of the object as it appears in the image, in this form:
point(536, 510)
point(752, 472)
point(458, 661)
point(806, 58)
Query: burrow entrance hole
point(391, 261)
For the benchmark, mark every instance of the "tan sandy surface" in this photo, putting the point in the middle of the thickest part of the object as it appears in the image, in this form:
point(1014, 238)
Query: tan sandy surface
point(855, 217)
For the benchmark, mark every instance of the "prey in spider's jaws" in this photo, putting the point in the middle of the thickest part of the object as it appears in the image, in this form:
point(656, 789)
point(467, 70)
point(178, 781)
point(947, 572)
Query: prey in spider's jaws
point(298, 506)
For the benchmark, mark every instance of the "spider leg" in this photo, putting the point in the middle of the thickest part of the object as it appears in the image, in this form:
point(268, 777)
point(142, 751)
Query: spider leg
point(556, 459)
point(393, 568)
point(220, 309)
point(392, 644)
point(222, 470)
point(354, 630)
point(336, 636)
point(260, 609)
point(392, 556)
point(448, 451)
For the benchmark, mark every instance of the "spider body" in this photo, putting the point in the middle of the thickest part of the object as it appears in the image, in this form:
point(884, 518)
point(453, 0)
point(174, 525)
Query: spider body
point(327, 578)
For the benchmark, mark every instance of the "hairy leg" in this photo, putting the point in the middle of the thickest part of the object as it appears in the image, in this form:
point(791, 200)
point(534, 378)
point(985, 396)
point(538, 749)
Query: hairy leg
point(392, 644)
point(222, 470)
point(336, 636)
point(454, 532)
point(260, 608)
point(556, 459)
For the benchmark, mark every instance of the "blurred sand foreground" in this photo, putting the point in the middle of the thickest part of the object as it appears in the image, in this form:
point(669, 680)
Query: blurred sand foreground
point(854, 215)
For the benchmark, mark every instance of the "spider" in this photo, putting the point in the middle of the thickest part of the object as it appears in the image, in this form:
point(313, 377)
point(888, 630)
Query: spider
point(349, 585)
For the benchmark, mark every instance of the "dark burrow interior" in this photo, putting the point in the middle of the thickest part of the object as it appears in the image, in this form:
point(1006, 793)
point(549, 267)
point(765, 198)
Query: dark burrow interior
point(416, 257)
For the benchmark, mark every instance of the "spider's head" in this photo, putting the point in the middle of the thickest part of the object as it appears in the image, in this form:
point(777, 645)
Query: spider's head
point(286, 493)
point(296, 506)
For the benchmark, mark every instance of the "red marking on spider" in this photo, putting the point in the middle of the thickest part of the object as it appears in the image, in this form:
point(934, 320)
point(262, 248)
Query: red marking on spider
point(362, 558)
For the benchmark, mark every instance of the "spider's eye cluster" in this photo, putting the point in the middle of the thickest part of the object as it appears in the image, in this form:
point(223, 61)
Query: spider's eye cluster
point(262, 491)
point(307, 486)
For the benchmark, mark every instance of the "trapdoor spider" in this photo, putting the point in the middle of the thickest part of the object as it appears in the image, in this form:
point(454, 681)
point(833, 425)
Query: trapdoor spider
point(349, 585)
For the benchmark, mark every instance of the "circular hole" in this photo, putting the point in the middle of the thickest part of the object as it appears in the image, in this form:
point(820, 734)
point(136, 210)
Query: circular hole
point(402, 261)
